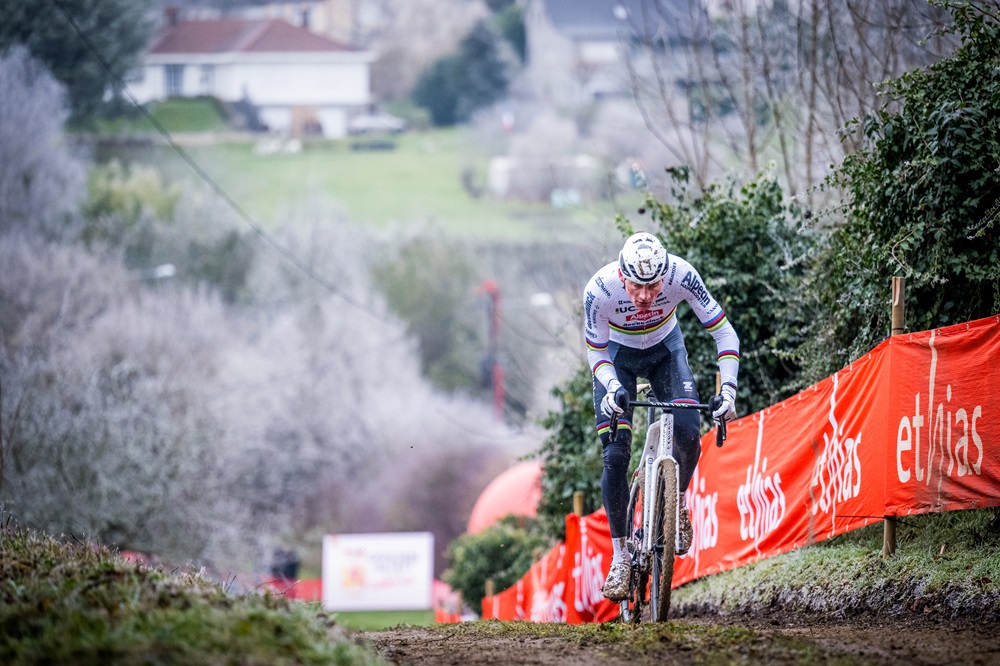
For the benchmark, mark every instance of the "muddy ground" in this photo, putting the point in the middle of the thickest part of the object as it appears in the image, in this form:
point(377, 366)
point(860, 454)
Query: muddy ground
point(775, 639)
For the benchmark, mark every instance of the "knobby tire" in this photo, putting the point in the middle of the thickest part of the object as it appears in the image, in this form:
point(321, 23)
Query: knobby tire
point(632, 607)
point(665, 540)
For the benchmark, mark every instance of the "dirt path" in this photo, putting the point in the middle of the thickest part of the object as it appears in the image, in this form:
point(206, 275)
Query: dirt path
point(772, 640)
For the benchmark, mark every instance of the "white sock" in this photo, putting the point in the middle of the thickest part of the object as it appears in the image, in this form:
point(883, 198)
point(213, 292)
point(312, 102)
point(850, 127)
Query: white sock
point(618, 550)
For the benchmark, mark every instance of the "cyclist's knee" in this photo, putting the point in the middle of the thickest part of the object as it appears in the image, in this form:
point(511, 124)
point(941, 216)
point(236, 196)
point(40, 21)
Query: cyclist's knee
point(687, 425)
point(617, 454)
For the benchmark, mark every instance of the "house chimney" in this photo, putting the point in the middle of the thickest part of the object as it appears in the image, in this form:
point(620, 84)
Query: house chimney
point(171, 16)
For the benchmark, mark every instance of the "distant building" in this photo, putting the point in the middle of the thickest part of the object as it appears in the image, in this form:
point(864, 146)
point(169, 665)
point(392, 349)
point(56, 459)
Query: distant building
point(297, 81)
point(577, 48)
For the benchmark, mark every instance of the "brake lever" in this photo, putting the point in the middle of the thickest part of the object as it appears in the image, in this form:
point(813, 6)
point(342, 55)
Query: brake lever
point(720, 434)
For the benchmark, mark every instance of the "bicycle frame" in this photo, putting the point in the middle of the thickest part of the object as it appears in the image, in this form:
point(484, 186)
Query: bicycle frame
point(652, 555)
point(658, 452)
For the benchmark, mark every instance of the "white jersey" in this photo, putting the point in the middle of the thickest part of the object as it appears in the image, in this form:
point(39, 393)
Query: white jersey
point(610, 316)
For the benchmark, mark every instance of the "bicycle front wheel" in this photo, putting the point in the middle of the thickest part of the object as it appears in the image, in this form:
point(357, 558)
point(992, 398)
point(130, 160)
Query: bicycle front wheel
point(664, 541)
point(631, 609)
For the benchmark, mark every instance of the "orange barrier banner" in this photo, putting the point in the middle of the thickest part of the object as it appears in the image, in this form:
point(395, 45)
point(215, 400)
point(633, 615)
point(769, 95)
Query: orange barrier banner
point(944, 437)
point(911, 427)
point(588, 543)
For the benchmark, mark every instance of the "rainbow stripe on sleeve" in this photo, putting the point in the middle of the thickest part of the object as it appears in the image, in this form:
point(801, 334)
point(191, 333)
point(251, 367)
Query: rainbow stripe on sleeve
point(716, 322)
point(597, 346)
point(605, 426)
point(729, 354)
point(600, 364)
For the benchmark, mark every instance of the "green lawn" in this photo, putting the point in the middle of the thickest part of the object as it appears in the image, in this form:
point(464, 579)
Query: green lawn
point(199, 114)
point(418, 182)
point(373, 621)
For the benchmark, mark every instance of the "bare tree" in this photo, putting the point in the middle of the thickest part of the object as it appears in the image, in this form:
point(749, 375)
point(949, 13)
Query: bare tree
point(745, 83)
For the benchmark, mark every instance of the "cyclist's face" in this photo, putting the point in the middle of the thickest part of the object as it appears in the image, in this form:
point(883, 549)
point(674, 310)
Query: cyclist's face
point(643, 295)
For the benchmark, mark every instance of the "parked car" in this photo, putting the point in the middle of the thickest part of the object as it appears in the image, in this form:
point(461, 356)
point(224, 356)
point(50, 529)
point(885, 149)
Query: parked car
point(376, 122)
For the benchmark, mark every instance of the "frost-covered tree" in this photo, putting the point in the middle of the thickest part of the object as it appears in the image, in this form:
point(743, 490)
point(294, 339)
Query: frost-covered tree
point(159, 418)
point(40, 180)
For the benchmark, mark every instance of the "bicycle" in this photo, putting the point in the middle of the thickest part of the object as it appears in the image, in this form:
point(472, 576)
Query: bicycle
point(651, 554)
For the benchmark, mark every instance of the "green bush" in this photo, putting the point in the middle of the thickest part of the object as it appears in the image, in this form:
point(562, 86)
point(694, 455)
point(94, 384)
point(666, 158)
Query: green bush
point(455, 86)
point(128, 192)
point(923, 201)
point(502, 553)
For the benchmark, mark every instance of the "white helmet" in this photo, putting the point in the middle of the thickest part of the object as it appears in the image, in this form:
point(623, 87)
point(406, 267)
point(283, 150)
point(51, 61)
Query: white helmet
point(643, 259)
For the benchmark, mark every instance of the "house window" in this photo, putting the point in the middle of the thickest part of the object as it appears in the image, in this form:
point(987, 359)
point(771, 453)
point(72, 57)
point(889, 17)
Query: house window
point(207, 79)
point(174, 80)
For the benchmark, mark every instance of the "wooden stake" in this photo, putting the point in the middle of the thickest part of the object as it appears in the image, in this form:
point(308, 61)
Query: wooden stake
point(898, 305)
point(888, 536)
point(578, 503)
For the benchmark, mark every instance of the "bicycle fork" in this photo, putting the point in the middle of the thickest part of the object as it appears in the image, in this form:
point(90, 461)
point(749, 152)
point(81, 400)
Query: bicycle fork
point(659, 449)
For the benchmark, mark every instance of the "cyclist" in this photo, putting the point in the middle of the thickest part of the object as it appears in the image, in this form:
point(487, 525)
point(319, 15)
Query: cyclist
point(631, 331)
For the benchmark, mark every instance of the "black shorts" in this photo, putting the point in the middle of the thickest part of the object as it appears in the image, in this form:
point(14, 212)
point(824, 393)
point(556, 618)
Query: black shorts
point(665, 365)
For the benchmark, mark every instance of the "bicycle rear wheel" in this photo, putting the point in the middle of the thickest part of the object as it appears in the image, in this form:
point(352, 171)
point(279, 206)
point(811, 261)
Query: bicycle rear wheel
point(632, 608)
point(664, 541)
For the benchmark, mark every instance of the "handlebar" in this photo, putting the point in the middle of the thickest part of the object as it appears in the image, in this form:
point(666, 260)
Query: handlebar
point(713, 404)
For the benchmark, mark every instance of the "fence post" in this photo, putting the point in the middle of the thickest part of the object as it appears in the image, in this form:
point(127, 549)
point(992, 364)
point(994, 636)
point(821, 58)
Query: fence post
point(898, 326)
point(898, 305)
point(489, 587)
point(578, 503)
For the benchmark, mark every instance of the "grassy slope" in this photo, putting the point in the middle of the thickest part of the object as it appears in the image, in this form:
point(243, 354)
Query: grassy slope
point(947, 564)
point(75, 602)
point(82, 604)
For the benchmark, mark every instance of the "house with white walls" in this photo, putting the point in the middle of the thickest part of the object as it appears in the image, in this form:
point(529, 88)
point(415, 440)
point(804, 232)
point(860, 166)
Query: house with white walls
point(299, 82)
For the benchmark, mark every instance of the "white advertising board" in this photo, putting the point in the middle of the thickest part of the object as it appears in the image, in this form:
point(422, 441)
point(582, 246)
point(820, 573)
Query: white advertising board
point(391, 571)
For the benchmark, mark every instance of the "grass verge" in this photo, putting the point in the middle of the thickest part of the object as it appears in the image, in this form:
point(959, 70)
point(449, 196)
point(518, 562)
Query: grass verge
point(945, 564)
point(80, 603)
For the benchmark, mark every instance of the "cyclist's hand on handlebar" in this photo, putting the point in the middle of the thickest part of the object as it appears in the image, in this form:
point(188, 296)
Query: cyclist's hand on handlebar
point(615, 400)
point(726, 410)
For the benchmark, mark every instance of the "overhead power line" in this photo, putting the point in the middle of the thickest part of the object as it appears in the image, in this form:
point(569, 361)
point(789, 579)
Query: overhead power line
point(287, 254)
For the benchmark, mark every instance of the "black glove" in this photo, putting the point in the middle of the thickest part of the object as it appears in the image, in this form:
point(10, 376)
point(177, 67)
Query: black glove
point(621, 398)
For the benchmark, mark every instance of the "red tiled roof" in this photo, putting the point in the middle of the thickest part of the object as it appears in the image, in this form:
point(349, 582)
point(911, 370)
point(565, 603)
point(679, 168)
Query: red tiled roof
point(230, 35)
